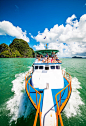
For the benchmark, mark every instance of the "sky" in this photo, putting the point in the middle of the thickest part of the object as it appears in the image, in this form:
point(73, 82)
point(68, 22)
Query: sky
point(61, 24)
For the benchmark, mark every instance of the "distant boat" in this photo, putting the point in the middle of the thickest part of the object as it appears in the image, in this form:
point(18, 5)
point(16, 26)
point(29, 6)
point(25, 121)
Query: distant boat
point(76, 57)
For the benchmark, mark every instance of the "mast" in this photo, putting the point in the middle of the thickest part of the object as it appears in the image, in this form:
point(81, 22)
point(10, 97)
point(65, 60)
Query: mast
point(46, 46)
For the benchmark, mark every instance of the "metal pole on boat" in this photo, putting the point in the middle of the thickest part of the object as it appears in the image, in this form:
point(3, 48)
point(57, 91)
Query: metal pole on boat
point(60, 101)
point(40, 116)
point(57, 116)
point(46, 46)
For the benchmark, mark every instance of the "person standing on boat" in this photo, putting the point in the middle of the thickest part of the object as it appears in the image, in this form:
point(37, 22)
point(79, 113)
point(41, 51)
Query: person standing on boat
point(53, 54)
point(47, 55)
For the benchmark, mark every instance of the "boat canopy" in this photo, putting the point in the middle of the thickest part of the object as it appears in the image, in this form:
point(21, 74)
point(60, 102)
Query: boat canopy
point(45, 51)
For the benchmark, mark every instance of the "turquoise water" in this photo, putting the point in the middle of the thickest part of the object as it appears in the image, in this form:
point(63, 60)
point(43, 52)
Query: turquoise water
point(16, 109)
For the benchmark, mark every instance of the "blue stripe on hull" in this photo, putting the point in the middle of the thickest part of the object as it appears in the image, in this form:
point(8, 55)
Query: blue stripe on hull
point(54, 92)
point(33, 94)
point(63, 94)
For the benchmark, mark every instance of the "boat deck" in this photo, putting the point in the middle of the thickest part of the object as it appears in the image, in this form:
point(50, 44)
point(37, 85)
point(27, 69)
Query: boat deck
point(54, 92)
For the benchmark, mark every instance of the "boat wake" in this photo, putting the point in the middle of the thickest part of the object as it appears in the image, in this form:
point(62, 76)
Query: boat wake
point(72, 107)
point(19, 105)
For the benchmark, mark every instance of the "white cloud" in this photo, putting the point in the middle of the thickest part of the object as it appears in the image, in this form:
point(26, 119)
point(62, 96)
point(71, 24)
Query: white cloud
point(39, 47)
point(73, 31)
point(7, 28)
point(73, 34)
point(31, 35)
point(70, 19)
point(78, 48)
point(64, 50)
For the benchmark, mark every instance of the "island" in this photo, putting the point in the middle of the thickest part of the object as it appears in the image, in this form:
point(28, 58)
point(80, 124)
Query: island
point(76, 57)
point(18, 48)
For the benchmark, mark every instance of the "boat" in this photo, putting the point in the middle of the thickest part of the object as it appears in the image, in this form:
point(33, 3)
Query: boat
point(48, 87)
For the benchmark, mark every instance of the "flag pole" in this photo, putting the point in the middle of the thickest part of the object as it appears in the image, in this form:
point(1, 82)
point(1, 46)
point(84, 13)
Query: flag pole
point(46, 46)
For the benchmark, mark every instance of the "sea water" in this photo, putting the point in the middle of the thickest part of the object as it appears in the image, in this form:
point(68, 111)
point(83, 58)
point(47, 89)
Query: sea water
point(15, 107)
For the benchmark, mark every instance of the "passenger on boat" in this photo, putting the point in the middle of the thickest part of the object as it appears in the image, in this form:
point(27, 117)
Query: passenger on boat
point(53, 54)
point(37, 56)
point(59, 61)
point(52, 60)
point(56, 58)
point(41, 56)
point(44, 60)
point(48, 60)
point(47, 55)
point(39, 61)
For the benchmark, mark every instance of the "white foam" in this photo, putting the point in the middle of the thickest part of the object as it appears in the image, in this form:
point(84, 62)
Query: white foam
point(19, 103)
point(72, 107)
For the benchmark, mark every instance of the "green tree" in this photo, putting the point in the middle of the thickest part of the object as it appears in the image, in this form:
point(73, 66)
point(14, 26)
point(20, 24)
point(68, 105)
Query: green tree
point(5, 54)
point(23, 47)
point(18, 48)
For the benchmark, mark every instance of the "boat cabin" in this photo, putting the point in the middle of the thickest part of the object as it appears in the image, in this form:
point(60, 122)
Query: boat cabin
point(45, 72)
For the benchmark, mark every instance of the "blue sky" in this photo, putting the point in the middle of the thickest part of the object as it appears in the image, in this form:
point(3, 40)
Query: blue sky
point(32, 20)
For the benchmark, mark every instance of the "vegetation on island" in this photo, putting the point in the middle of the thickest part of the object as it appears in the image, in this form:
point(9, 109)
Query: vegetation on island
point(18, 48)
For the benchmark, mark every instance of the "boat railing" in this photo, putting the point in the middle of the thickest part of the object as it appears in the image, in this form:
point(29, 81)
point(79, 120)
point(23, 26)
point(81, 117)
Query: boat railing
point(60, 105)
point(37, 104)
